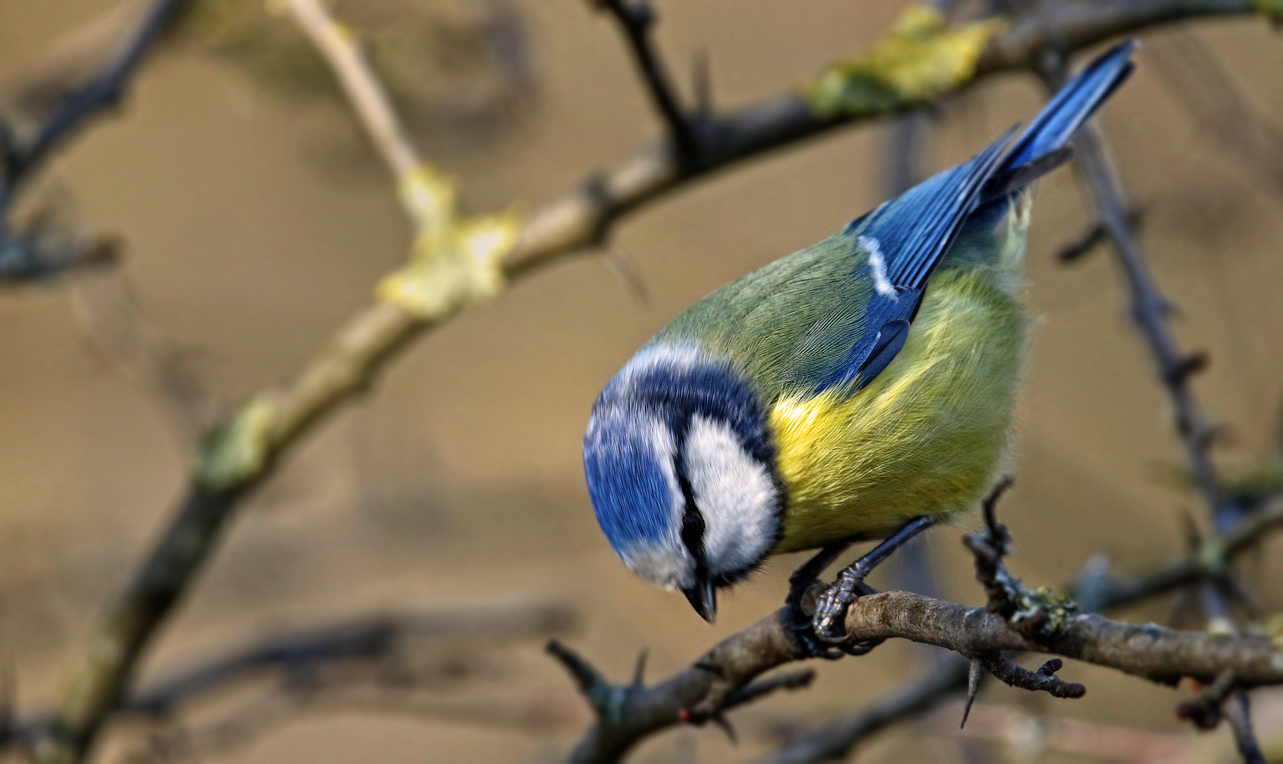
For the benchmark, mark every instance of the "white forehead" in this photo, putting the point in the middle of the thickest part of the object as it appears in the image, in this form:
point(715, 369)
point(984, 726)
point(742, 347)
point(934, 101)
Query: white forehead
point(734, 493)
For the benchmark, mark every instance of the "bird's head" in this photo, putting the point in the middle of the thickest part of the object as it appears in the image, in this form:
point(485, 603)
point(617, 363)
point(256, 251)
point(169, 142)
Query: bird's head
point(681, 471)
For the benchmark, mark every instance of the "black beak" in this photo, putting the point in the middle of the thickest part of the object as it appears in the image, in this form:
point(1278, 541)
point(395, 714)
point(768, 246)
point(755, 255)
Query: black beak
point(703, 597)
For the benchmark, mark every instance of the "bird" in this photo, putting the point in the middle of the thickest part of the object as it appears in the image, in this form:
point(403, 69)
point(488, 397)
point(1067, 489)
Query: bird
point(859, 389)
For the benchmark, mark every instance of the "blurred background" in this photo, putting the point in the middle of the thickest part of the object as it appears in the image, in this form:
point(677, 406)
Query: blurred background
point(255, 219)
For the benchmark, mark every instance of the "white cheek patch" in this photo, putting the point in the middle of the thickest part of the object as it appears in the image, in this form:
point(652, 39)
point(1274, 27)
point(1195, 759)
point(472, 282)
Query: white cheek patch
point(878, 265)
point(734, 493)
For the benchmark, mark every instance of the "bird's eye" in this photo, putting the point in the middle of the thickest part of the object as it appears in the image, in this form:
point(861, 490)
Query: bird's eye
point(692, 528)
point(692, 520)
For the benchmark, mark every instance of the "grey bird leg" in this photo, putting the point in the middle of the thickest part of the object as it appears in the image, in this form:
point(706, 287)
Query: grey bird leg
point(799, 623)
point(808, 574)
point(830, 608)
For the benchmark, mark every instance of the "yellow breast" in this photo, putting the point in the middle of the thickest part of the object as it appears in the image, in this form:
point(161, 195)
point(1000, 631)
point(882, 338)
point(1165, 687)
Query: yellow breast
point(926, 437)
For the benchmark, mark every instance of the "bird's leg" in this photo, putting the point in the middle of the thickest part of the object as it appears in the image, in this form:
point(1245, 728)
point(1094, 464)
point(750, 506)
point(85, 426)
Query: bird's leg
point(830, 608)
point(801, 580)
point(808, 574)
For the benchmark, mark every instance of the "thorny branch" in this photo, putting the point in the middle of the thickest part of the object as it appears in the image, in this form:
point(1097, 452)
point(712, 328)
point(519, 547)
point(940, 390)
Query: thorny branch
point(627, 715)
point(1150, 310)
point(245, 449)
point(1094, 590)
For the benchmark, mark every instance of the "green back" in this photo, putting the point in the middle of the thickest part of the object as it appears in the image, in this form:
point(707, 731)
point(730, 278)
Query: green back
point(785, 324)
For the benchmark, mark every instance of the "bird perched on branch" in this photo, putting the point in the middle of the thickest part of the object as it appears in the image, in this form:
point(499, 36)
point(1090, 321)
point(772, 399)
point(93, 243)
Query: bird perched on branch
point(861, 388)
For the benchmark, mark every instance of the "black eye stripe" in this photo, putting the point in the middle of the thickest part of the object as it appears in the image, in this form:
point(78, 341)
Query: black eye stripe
point(692, 533)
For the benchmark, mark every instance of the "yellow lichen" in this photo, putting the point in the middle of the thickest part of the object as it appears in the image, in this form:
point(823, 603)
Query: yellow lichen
point(429, 198)
point(454, 262)
point(922, 59)
point(237, 452)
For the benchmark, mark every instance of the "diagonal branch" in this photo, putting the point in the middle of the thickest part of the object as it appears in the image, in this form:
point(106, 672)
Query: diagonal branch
point(364, 92)
point(577, 220)
point(385, 641)
point(1150, 311)
point(100, 93)
point(835, 741)
point(1096, 590)
point(41, 251)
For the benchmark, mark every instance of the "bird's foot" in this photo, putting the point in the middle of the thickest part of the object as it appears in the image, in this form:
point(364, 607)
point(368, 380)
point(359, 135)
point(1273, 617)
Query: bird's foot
point(801, 628)
point(828, 623)
point(797, 620)
point(831, 607)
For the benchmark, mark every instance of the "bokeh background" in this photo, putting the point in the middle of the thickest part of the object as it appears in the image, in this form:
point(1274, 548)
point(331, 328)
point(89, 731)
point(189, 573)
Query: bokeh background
point(255, 220)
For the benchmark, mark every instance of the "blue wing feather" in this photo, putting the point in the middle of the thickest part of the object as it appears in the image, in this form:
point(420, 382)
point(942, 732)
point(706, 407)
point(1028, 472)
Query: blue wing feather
point(915, 231)
point(1072, 106)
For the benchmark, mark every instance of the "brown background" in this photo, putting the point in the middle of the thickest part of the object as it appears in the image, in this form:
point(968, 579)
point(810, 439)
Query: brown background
point(253, 230)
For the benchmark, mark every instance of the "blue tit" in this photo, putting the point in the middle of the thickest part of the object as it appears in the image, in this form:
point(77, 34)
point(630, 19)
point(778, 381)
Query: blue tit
point(841, 391)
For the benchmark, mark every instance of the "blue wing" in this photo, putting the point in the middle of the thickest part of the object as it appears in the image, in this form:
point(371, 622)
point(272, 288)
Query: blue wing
point(904, 240)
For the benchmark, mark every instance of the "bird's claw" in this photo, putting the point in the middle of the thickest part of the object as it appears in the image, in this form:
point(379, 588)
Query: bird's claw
point(830, 611)
point(821, 635)
point(829, 622)
point(802, 629)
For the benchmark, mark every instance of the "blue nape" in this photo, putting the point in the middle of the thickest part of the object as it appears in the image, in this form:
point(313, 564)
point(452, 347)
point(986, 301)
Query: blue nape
point(678, 382)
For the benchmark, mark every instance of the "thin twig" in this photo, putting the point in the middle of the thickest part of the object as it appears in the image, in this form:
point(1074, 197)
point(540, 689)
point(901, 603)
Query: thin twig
point(1238, 711)
point(368, 98)
point(835, 742)
point(385, 643)
point(39, 253)
point(100, 93)
point(1042, 680)
point(636, 18)
point(1096, 590)
point(1150, 310)
point(1092, 238)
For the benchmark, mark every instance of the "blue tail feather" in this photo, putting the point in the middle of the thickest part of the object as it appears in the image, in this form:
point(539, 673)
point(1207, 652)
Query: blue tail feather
point(1072, 106)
